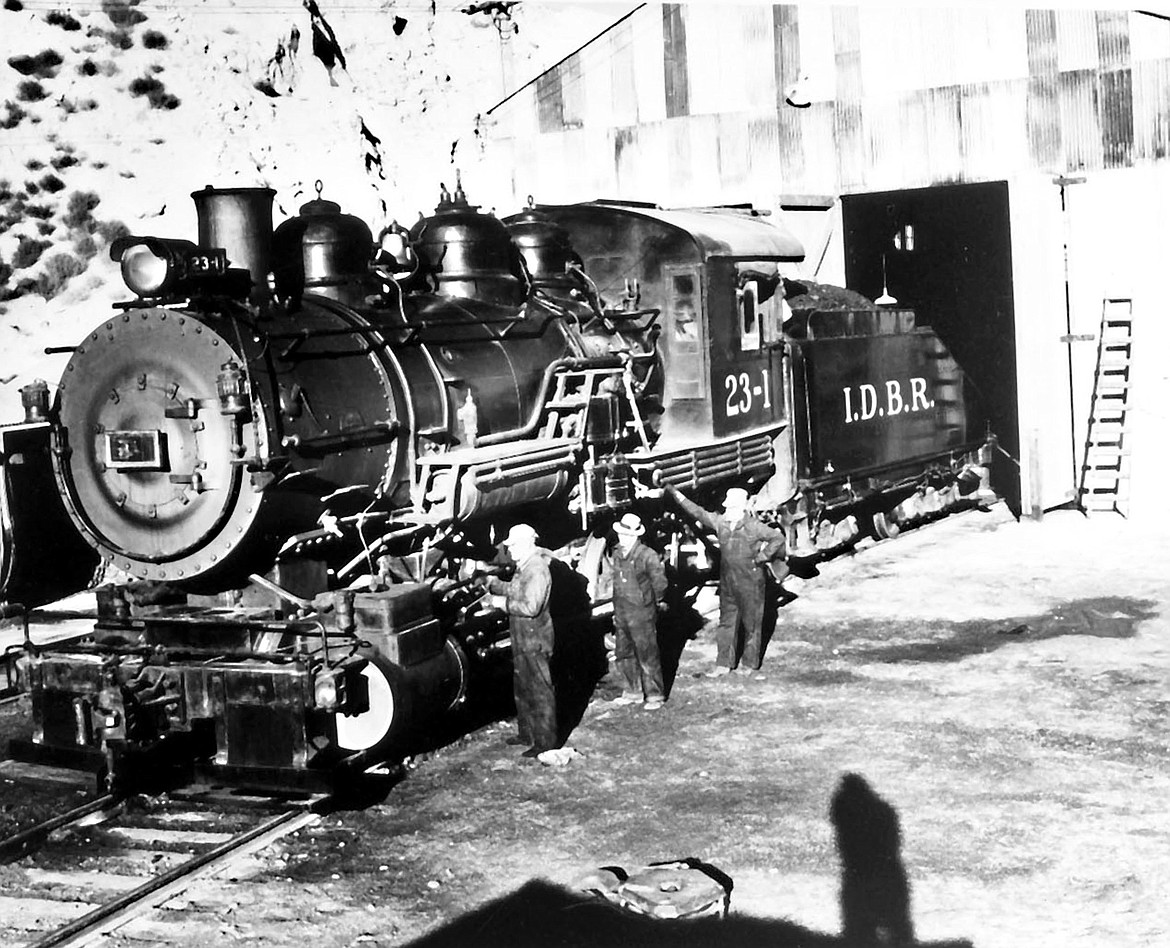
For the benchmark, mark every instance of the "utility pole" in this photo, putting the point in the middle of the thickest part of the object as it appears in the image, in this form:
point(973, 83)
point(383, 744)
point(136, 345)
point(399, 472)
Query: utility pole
point(1063, 181)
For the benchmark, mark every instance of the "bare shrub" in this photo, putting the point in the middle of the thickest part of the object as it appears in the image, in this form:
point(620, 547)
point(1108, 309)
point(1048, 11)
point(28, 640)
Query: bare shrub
point(79, 212)
point(28, 252)
point(63, 20)
point(5, 273)
point(64, 160)
point(88, 68)
point(41, 212)
point(109, 231)
point(5, 190)
point(32, 187)
point(120, 39)
point(153, 39)
point(146, 85)
point(52, 184)
point(14, 5)
point(123, 13)
point(155, 92)
point(34, 164)
point(58, 270)
point(30, 91)
point(98, 164)
point(43, 65)
point(70, 105)
point(12, 116)
point(86, 246)
point(44, 228)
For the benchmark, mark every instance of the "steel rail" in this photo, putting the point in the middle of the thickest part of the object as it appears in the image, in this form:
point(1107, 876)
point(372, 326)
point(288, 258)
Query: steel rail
point(107, 918)
point(16, 846)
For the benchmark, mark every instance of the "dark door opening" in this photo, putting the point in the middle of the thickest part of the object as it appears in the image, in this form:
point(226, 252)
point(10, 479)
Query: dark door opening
point(948, 255)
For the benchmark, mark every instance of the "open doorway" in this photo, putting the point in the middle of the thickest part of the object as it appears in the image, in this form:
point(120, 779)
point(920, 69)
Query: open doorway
point(947, 254)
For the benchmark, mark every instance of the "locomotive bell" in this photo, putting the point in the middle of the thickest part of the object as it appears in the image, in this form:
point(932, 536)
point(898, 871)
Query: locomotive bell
point(323, 250)
point(545, 247)
point(469, 254)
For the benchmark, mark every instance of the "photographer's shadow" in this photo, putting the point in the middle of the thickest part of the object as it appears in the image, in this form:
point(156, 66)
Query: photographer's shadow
point(875, 903)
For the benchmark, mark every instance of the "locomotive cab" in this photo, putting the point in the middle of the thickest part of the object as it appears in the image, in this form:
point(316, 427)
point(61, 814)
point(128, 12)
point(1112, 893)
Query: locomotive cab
point(713, 277)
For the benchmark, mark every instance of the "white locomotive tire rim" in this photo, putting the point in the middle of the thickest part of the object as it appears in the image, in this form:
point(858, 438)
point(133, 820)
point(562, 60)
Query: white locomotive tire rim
point(358, 732)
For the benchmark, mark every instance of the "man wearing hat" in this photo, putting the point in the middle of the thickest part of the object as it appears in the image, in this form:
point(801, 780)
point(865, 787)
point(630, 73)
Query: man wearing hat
point(639, 582)
point(745, 546)
point(525, 597)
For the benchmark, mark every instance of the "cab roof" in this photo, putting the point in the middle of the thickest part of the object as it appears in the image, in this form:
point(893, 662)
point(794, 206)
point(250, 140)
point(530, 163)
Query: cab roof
point(720, 231)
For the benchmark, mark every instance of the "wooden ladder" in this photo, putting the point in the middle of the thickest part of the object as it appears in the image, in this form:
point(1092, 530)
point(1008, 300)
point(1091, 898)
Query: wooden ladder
point(1105, 471)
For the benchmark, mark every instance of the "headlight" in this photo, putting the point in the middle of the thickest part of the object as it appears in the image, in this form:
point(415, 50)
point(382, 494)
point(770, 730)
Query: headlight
point(161, 266)
point(144, 271)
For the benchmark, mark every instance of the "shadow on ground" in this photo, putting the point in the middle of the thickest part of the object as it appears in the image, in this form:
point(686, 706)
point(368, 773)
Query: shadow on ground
point(1103, 617)
point(875, 904)
point(542, 915)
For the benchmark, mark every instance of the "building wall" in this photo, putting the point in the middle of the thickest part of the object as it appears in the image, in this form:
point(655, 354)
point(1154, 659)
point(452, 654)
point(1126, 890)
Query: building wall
point(684, 104)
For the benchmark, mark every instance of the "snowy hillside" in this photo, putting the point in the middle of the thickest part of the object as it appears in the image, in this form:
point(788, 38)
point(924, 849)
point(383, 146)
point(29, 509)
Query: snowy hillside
point(113, 111)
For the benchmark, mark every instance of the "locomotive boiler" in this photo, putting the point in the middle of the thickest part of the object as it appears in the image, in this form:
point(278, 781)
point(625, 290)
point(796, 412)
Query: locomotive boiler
point(298, 446)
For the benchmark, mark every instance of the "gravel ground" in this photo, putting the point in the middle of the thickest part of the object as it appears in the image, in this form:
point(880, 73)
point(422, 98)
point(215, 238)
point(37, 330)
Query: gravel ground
point(1001, 685)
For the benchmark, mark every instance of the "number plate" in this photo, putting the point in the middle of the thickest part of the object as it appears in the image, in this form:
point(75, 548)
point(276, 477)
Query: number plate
point(135, 450)
point(207, 263)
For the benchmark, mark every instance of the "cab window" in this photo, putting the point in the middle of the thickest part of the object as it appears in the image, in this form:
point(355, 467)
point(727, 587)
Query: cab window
point(685, 378)
point(750, 316)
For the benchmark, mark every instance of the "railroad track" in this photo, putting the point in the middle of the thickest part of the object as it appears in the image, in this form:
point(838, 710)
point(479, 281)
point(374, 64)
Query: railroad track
point(79, 877)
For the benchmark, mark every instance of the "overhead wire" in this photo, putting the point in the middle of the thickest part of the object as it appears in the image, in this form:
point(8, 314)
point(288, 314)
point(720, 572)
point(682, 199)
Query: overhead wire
point(254, 7)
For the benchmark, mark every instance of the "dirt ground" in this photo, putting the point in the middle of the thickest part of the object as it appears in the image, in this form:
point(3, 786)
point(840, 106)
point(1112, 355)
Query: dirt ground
point(1001, 684)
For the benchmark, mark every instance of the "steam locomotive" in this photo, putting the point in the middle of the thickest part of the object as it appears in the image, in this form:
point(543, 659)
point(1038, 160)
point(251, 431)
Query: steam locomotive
point(300, 445)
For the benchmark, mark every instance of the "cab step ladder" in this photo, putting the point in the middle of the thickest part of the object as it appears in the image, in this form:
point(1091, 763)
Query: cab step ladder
point(1105, 471)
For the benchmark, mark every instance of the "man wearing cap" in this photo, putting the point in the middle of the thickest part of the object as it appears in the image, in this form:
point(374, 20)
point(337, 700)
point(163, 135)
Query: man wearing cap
point(639, 582)
point(745, 546)
point(525, 597)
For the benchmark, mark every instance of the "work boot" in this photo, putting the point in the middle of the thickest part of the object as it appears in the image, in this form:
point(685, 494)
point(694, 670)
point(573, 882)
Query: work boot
point(626, 697)
point(653, 704)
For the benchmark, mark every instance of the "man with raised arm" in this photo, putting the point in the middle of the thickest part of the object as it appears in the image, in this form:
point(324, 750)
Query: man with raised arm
point(745, 546)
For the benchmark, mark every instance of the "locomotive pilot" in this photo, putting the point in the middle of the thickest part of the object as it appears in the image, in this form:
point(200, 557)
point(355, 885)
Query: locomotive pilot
point(639, 582)
point(525, 597)
point(746, 546)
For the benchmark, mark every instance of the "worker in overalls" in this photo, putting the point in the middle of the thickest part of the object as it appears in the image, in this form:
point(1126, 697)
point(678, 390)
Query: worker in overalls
point(746, 546)
point(639, 583)
point(525, 597)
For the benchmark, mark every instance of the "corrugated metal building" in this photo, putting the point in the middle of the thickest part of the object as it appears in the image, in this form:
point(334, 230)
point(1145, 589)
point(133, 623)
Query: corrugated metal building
point(966, 153)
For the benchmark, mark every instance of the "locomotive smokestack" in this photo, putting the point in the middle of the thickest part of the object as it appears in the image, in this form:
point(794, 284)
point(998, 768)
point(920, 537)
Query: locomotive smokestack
point(240, 221)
